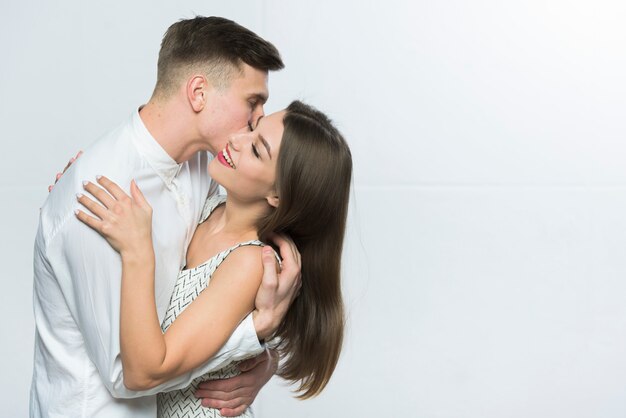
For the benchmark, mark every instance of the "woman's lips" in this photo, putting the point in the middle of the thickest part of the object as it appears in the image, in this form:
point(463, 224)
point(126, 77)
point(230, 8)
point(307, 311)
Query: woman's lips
point(221, 159)
point(225, 158)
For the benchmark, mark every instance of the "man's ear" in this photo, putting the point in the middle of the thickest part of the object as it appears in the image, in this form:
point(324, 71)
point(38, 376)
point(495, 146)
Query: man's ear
point(197, 92)
point(273, 200)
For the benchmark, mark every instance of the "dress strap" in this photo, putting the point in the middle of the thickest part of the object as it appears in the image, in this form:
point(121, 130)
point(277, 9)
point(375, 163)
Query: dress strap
point(254, 242)
point(210, 204)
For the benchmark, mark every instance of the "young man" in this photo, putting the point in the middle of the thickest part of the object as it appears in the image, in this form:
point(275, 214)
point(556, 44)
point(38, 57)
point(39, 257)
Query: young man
point(212, 82)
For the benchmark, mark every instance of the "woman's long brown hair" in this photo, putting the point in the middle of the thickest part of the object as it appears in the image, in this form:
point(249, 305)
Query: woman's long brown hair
point(313, 176)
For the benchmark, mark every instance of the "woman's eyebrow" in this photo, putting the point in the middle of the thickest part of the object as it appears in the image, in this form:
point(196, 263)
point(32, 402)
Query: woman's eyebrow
point(266, 145)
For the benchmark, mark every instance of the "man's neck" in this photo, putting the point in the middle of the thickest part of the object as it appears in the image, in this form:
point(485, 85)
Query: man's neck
point(172, 129)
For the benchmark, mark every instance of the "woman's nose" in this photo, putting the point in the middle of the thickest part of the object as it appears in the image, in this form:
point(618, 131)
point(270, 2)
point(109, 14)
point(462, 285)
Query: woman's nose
point(237, 140)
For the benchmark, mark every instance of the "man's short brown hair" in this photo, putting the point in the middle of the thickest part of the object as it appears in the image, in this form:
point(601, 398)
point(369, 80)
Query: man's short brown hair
point(213, 46)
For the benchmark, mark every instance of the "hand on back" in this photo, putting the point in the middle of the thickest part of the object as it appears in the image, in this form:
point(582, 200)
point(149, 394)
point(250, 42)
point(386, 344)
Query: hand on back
point(60, 174)
point(124, 221)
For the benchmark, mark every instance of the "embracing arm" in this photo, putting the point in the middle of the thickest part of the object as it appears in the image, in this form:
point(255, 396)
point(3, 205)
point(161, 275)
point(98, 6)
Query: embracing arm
point(277, 291)
point(149, 357)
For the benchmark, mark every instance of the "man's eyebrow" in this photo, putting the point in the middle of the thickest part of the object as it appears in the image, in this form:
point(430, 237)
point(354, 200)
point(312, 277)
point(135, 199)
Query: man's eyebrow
point(260, 97)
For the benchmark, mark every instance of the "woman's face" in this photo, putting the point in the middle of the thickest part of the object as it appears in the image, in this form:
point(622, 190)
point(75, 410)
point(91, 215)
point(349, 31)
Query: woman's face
point(246, 167)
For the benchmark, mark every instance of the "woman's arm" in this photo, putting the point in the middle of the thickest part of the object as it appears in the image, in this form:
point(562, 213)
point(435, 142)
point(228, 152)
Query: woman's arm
point(149, 357)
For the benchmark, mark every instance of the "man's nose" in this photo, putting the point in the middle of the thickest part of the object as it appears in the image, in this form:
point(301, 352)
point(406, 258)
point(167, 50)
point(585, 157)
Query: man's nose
point(258, 113)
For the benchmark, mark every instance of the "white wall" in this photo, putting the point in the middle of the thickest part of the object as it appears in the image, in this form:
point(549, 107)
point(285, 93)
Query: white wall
point(484, 268)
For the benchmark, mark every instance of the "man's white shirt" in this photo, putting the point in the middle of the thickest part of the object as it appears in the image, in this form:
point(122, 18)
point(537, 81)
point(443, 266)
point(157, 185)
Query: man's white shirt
point(77, 368)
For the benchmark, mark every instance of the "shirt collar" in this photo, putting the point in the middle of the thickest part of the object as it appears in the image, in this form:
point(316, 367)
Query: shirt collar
point(165, 166)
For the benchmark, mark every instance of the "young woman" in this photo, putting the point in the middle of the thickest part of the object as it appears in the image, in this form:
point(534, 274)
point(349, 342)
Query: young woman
point(290, 175)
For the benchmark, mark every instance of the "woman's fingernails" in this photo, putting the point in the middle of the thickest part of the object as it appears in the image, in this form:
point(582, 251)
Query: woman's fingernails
point(98, 177)
point(85, 182)
point(79, 195)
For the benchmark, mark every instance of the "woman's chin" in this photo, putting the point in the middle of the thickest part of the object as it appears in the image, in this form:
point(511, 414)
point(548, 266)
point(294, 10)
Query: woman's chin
point(213, 169)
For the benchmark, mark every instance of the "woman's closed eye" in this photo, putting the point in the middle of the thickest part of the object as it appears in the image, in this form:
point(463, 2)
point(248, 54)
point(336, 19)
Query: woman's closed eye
point(255, 152)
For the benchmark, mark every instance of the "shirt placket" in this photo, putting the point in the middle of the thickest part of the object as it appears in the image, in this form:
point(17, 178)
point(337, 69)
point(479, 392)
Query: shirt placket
point(183, 205)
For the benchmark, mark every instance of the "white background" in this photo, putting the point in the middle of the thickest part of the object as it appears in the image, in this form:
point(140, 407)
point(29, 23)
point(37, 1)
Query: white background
point(485, 260)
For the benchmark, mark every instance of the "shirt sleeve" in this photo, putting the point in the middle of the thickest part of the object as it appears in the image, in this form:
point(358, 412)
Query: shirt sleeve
point(88, 271)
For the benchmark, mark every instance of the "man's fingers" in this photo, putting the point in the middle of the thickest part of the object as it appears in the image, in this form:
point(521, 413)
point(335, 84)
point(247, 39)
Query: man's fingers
point(99, 194)
point(212, 395)
point(289, 282)
point(227, 412)
point(222, 396)
point(227, 408)
point(217, 386)
point(288, 252)
point(93, 207)
point(251, 363)
point(270, 276)
point(291, 267)
point(285, 245)
point(111, 187)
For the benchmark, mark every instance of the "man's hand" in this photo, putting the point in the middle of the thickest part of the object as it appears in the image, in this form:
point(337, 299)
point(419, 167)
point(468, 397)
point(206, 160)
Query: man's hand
point(278, 289)
point(59, 175)
point(232, 396)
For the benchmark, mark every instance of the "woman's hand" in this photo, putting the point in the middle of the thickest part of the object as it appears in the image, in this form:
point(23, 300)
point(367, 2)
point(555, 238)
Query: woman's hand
point(59, 175)
point(124, 221)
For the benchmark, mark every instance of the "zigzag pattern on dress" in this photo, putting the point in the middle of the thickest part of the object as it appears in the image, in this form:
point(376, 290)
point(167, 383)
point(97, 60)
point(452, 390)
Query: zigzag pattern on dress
point(183, 403)
point(190, 283)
